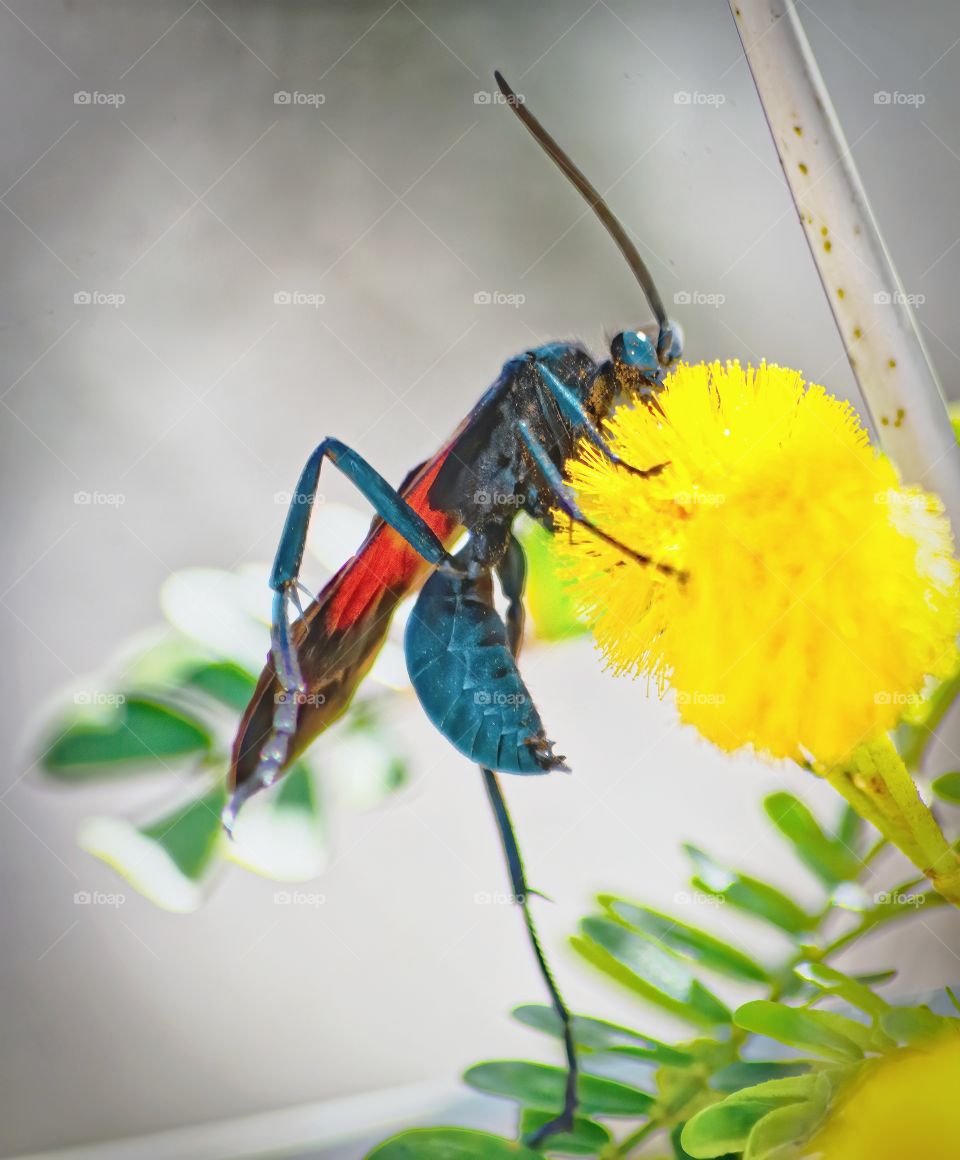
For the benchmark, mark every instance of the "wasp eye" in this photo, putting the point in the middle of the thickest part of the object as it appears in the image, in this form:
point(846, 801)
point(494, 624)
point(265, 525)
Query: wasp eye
point(634, 349)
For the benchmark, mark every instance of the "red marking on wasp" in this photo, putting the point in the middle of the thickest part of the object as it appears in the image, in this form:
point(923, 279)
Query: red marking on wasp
point(386, 562)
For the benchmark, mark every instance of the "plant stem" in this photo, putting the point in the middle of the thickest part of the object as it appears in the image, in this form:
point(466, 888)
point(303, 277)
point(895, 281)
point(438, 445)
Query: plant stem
point(875, 781)
point(624, 1146)
point(872, 313)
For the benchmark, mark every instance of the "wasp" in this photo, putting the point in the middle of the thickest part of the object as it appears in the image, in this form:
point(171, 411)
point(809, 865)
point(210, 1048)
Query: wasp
point(461, 654)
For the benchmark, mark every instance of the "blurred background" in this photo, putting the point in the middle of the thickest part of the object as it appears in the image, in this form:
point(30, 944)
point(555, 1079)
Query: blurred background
point(167, 217)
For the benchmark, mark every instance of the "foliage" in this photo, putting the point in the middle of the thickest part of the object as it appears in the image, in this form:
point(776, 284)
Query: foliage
point(169, 704)
point(755, 1079)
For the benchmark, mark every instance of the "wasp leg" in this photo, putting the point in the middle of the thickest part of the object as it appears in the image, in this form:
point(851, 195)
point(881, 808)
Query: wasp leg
point(512, 573)
point(395, 511)
point(564, 499)
point(583, 426)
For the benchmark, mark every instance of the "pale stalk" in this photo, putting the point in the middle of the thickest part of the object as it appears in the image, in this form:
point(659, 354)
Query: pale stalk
point(873, 315)
point(877, 784)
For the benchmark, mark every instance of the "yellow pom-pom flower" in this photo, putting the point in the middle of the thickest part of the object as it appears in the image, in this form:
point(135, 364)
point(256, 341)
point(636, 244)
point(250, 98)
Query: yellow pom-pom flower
point(902, 1106)
point(811, 593)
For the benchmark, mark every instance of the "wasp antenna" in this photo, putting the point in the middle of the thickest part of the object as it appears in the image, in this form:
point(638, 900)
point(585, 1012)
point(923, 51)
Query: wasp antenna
point(586, 190)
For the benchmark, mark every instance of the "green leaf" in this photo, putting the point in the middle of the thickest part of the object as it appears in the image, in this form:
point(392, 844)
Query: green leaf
point(722, 1128)
point(168, 859)
point(538, 1085)
point(225, 682)
point(548, 597)
point(947, 788)
point(920, 721)
point(748, 1073)
point(834, 982)
point(850, 828)
point(450, 1144)
point(750, 895)
point(586, 1139)
point(784, 1128)
point(726, 1126)
point(597, 1035)
point(284, 835)
point(687, 940)
point(646, 968)
point(826, 857)
point(821, 1033)
point(679, 1152)
point(135, 731)
point(914, 1024)
point(190, 834)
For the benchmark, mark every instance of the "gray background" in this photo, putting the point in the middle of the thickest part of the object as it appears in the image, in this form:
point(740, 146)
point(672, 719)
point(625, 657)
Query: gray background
point(199, 399)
